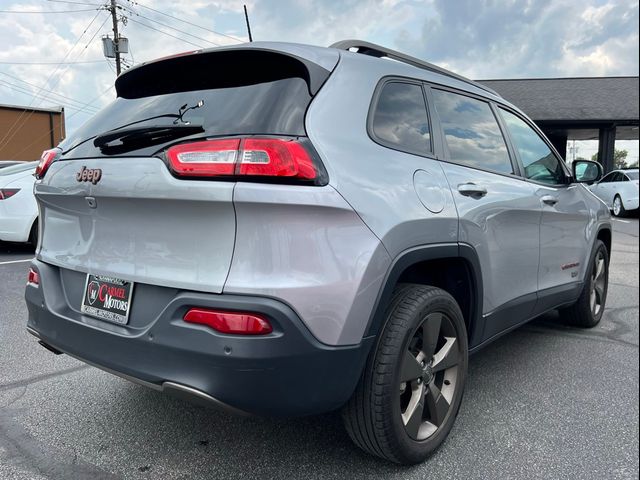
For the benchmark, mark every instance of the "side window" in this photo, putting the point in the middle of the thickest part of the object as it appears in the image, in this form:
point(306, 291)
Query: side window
point(471, 132)
point(609, 178)
point(400, 118)
point(540, 163)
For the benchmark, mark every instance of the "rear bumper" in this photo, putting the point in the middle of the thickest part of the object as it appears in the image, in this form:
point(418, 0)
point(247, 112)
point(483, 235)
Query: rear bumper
point(285, 373)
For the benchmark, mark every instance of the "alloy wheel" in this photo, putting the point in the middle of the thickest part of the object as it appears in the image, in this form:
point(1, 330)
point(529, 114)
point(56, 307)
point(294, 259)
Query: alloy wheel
point(617, 206)
point(428, 376)
point(598, 284)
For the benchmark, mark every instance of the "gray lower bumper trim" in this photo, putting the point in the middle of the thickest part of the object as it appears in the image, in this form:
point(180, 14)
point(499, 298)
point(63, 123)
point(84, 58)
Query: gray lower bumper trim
point(175, 389)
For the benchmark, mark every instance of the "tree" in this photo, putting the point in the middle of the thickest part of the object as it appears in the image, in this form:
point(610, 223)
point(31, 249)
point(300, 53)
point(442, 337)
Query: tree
point(619, 158)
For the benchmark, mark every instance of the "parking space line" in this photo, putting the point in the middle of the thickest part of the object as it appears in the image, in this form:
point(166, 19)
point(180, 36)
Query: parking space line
point(16, 261)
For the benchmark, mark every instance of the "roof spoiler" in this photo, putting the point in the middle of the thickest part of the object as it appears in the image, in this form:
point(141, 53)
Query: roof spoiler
point(377, 51)
point(216, 68)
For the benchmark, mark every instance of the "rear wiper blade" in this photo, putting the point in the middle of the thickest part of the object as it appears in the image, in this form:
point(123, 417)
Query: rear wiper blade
point(143, 136)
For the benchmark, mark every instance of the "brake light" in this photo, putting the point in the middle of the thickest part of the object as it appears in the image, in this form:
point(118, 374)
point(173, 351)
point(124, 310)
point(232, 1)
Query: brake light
point(33, 277)
point(254, 157)
point(8, 192)
point(234, 323)
point(47, 158)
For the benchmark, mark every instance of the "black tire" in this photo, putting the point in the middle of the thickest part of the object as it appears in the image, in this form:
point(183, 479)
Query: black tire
point(618, 209)
point(583, 313)
point(374, 416)
point(33, 234)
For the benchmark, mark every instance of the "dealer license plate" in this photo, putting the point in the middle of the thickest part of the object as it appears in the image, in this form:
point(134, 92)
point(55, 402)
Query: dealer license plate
point(107, 298)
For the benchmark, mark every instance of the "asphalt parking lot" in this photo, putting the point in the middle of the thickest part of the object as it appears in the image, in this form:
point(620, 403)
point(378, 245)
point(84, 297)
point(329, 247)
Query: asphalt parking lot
point(545, 401)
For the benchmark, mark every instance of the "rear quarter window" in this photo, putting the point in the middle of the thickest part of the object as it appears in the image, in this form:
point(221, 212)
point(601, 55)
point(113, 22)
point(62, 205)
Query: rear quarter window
point(400, 119)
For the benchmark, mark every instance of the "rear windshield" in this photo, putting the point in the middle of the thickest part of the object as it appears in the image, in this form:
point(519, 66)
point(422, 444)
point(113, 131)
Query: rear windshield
point(238, 93)
point(632, 175)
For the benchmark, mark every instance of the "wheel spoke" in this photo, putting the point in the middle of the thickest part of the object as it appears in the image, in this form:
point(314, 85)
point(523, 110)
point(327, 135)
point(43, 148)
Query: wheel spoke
point(430, 334)
point(447, 356)
point(592, 300)
point(412, 417)
point(411, 368)
point(437, 405)
point(599, 290)
point(599, 268)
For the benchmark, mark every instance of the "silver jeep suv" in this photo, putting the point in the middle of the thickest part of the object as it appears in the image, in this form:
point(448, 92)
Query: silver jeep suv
point(285, 230)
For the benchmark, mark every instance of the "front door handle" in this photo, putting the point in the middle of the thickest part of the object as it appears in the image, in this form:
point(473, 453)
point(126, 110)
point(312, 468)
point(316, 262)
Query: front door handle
point(549, 200)
point(472, 190)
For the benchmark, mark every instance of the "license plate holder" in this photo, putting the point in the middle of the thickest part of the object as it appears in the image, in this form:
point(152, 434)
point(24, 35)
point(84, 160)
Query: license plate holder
point(107, 298)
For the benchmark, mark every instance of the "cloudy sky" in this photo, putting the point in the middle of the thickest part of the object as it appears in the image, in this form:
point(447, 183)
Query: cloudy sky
point(477, 38)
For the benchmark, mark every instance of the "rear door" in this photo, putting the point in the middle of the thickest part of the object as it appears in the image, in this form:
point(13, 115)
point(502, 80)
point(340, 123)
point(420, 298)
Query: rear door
point(564, 242)
point(499, 211)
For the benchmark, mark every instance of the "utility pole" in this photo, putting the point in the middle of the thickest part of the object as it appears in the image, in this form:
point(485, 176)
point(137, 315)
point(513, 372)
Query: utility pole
point(116, 38)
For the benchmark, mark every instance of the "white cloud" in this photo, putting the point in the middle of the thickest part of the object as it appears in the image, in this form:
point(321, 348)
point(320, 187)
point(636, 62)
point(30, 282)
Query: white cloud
point(481, 39)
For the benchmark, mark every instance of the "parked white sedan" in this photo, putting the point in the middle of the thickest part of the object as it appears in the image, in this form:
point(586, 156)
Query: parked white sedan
point(18, 208)
point(619, 190)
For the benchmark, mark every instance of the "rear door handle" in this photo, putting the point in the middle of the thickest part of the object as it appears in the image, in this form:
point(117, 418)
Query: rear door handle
point(472, 190)
point(549, 200)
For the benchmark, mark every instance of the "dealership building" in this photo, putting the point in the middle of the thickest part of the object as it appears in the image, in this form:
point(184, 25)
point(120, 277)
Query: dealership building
point(593, 108)
point(25, 132)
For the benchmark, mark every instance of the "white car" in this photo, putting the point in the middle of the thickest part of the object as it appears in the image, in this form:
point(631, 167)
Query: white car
point(619, 190)
point(18, 208)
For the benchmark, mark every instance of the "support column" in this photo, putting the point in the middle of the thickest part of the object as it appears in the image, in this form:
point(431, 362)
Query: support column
point(606, 147)
point(560, 143)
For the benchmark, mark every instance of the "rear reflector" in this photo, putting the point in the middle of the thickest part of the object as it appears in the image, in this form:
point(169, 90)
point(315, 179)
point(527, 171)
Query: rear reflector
point(33, 277)
point(256, 157)
point(47, 158)
point(8, 192)
point(229, 322)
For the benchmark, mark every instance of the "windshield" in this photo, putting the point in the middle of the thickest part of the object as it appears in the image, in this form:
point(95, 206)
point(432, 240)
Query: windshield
point(21, 167)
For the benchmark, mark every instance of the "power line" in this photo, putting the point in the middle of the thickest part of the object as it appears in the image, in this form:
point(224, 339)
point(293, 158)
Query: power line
point(185, 21)
point(66, 118)
point(95, 33)
point(50, 92)
point(168, 34)
point(36, 86)
point(11, 132)
point(49, 11)
point(75, 3)
point(50, 63)
point(172, 28)
point(26, 91)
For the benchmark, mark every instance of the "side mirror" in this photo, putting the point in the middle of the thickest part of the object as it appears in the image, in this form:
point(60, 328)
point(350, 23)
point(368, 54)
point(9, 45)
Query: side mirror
point(586, 171)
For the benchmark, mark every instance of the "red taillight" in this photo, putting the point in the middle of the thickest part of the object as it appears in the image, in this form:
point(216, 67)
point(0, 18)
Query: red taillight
point(47, 158)
point(229, 322)
point(256, 157)
point(33, 277)
point(8, 192)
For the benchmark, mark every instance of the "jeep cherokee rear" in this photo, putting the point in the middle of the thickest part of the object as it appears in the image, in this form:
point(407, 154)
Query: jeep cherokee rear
point(286, 230)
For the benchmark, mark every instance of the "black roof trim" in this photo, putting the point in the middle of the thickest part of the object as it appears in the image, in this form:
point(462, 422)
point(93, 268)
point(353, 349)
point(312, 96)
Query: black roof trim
point(367, 48)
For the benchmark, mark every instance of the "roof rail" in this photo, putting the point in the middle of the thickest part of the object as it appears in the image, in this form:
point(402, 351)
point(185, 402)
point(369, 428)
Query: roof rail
point(374, 50)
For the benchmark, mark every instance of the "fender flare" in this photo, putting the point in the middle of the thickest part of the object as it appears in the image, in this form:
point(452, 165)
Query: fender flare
point(423, 253)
